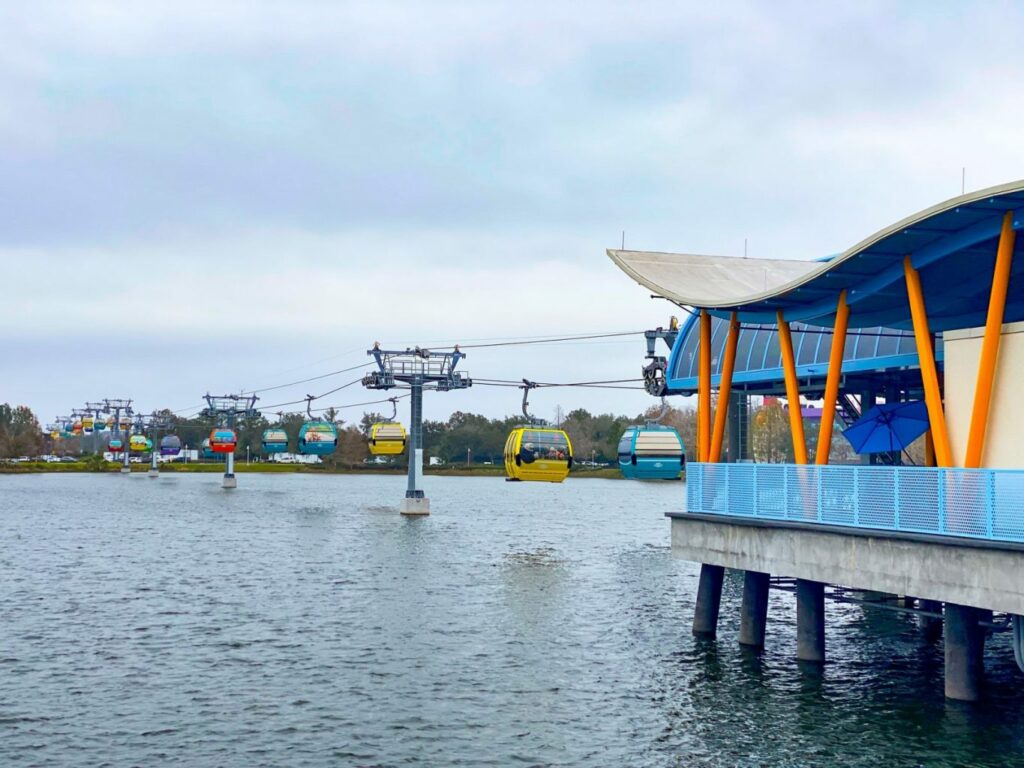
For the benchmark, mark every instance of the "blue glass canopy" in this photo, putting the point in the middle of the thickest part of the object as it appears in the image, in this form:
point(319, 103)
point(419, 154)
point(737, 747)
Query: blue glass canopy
point(758, 358)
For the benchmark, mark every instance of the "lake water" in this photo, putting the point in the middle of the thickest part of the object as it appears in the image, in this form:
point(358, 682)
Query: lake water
point(299, 620)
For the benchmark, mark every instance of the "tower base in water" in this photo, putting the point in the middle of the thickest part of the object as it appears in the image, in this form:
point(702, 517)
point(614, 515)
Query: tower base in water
point(125, 470)
point(229, 481)
point(415, 506)
point(153, 473)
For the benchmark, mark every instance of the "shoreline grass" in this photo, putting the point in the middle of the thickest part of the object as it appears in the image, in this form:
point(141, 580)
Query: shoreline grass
point(92, 467)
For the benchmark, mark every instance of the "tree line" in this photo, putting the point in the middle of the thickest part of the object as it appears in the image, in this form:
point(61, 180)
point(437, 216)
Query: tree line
point(460, 438)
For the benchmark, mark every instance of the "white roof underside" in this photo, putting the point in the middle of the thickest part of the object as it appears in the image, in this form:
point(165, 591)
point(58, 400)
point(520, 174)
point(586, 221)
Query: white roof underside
point(710, 281)
point(730, 281)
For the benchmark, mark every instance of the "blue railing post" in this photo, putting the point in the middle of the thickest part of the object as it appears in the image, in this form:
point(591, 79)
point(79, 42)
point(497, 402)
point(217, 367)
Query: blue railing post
point(990, 493)
point(692, 487)
point(757, 497)
point(856, 496)
point(700, 488)
point(728, 508)
point(942, 500)
point(818, 471)
point(896, 498)
point(785, 493)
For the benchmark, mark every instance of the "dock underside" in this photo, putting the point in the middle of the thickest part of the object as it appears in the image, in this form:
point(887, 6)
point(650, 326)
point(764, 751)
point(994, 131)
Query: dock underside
point(964, 572)
point(963, 580)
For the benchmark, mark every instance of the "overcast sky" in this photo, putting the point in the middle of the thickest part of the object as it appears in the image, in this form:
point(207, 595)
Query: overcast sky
point(218, 195)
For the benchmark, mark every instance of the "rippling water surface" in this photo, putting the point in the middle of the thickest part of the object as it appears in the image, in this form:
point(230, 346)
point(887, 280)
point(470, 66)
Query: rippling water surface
point(299, 620)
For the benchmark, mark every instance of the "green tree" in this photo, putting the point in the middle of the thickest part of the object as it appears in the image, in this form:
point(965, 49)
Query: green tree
point(770, 438)
point(20, 432)
point(353, 449)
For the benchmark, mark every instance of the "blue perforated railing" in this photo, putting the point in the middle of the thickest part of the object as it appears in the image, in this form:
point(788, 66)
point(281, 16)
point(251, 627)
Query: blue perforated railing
point(973, 503)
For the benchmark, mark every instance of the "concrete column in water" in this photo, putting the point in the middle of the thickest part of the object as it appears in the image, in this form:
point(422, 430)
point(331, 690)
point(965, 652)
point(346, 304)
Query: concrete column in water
point(965, 646)
point(415, 501)
point(810, 621)
point(154, 470)
point(709, 599)
point(754, 609)
point(230, 481)
point(125, 453)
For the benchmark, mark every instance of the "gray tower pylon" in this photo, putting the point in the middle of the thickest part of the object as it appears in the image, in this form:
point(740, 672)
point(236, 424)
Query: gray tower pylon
point(226, 409)
point(117, 406)
point(416, 369)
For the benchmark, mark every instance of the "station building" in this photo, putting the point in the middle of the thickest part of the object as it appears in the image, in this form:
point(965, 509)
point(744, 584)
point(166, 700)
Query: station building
point(929, 309)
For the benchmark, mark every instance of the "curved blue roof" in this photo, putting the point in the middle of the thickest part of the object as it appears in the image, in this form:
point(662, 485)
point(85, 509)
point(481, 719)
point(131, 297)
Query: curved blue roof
point(952, 245)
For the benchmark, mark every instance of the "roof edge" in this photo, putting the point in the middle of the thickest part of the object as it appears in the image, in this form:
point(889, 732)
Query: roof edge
point(820, 267)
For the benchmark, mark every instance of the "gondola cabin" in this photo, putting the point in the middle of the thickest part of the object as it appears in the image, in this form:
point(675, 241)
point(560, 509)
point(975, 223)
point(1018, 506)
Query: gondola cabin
point(87, 424)
point(538, 454)
point(651, 452)
point(206, 451)
point(274, 440)
point(387, 439)
point(116, 445)
point(76, 428)
point(318, 438)
point(223, 441)
point(170, 445)
point(139, 444)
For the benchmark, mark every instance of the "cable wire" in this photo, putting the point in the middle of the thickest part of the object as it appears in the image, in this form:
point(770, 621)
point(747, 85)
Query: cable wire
point(305, 381)
point(523, 342)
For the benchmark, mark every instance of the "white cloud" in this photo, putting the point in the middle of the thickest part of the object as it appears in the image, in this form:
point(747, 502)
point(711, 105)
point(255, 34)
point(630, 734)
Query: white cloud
point(206, 175)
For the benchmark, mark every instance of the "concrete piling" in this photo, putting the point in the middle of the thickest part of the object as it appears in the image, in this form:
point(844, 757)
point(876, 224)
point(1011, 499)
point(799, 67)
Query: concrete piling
point(754, 609)
point(229, 481)
point(965, 645)
point(810, 621)
point(709, 598)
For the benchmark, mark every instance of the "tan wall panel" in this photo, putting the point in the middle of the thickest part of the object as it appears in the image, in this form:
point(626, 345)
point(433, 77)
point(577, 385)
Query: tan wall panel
point(1004, 444)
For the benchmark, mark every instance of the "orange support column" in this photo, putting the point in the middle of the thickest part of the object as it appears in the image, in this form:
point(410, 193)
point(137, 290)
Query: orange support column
point(926, 357)
point(796, 419)
point(990, 344)
point(704, 389)
point(724, 390)
point(835, 372)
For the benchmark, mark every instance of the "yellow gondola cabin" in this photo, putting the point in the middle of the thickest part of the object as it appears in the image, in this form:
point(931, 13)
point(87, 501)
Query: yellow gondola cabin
point(387, 438)
point(538, 454)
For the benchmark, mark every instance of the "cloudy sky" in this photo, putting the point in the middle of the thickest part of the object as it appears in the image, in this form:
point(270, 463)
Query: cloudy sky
point(220, 195)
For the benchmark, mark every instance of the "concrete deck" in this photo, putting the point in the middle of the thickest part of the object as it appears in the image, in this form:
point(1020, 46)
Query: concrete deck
point(962, 571)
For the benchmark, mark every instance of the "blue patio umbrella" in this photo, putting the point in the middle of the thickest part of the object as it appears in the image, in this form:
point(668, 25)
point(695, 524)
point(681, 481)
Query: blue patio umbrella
point(889, 427)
